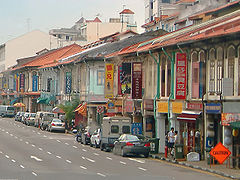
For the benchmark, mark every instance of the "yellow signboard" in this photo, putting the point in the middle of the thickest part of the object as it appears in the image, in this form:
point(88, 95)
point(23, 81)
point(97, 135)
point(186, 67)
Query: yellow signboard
point(109, 80)
point(177, 107)
point(163, 107)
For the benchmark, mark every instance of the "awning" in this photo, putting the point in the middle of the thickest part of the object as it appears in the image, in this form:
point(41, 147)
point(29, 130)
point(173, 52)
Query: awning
point(58, 110)
point(13, 101)
point(189, 115)
point(82, 109)
point(50, 99)
point(235, 125)
point(41, 100)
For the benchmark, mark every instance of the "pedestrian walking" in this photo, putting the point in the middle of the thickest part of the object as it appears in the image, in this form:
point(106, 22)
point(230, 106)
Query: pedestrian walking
point(171, 140)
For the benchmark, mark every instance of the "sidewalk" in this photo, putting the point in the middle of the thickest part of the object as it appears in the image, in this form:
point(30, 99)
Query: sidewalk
point(202, 165)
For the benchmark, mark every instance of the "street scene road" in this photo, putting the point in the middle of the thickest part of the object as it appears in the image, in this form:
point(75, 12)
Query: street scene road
point(28, 153)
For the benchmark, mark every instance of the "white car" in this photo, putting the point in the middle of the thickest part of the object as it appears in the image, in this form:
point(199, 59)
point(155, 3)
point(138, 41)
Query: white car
point(95, 138)
point(56, 125)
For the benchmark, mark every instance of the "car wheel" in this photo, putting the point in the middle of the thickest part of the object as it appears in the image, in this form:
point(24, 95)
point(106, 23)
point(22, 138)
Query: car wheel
point(101, 147)
point(146, 155)
point(78, 139)
point(91, 145)
point(96, 145)
point(114, 151)
point(123, 153)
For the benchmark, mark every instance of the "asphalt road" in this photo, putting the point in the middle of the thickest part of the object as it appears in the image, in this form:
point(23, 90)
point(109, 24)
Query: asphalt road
point(28, 153)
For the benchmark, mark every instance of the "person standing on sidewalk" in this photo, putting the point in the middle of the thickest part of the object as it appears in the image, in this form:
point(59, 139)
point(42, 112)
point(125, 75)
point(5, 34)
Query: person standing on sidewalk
point(171, 140)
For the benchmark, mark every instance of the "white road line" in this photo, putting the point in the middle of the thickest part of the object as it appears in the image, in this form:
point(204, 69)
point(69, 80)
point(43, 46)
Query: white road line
point(109, 158)
point(13, 160)
point(40, 149)
point(69, 161)
point(83, 167)
point(7, 156)
point(100, 174)
point(33, 145)
point(83, 157)
point(36, 158)
point(91, 160)
point(66, 143)
point(11, 134)
point(33, 131)
point(27, 142)
point(122, 162)
point(75, 147)
point(20, 140)
point(139, 161)
point(84, 150)
point(49, 152)
point(7, 132)
point(34, 173)
point(44, 136)
point(141, 168)
point(96, 154)
point(1, 152)
point(22, 166)
point(58, 141)
point(59, 157)
point(15, 137)
point(39, 133)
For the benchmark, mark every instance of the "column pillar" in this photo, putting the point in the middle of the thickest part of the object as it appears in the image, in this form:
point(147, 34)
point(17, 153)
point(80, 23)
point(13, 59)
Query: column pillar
point(161, 131)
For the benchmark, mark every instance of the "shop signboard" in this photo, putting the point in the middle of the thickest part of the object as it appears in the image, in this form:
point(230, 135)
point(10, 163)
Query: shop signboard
point(128, 106)
point(22, 81)
point(126, 78)
point(213, 108)
point(227, 118)
point(137, 80)
point(181, 75)
point(136, 128)
point(109, 80)
point(68, 82)
point(163, 107)
point(35, 83)
point(111, 107)
point(195, 106)
point(148, 104)
point(177, 107)
point(220, 153)
point(119, 79)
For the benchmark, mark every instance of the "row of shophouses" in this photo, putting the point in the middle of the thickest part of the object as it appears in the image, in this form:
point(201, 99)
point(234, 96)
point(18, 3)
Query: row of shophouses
point(187, 79)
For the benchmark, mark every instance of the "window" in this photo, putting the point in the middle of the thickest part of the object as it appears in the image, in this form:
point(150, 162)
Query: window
point(219, 69)
point(49, 84)
point(231, 60)
point(163, 79)
point(212, 70)
point(238, 71)
point(126, 129)
point(202, 75)
point(195, 75)
point(114, 129)
point(168, 77)
point(100, 77)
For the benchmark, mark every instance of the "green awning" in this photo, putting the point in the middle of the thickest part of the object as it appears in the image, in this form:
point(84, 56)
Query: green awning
point(235, 125)
point(50, 99)
point(41, 100)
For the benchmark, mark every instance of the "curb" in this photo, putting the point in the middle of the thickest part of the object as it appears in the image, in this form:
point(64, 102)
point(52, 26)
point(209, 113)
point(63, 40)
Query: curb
point(192, 166)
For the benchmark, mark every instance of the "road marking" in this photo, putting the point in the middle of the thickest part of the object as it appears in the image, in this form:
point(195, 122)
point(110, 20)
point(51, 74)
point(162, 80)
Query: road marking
point(13, 160)
point(84, 150)
point(49, 152)
point(44, 136)
point(75, 147)
point(83, 157)
point(20, 140)
point(59, 157)
point(58, 141)
point(34, 157)
point(141, 168)
point(69, 161)
point(83, 167)
point(7, 132)
point(27, 142)
point(34, 173)
point(33, 145)
point(40, 149)
point(100, 174)
point(66, 143)
point(11, 134)
point(22, 166)
point(1, 152)
point(7, 156)
point(91, 160)
point(39, 133)
point(96, 154)
point(139, 161)
point(109, 158)
point(15, 137)
point(122, 162)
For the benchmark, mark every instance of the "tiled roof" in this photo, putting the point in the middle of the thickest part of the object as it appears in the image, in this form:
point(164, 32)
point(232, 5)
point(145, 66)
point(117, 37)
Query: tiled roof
point(95, 20)
point(126, 11)
point(53, 56)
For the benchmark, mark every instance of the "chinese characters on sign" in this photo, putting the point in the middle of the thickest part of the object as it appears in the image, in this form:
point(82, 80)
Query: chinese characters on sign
point(220, 153)
point(227, 118)
point(68, 82)
point(181, 75)
point(22, 81)
point(137, 81)
point(35, 83)
point(109, 81)
point(126, 78)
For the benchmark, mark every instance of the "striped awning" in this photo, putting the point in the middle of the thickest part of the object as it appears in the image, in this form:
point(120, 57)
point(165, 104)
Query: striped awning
point(82, 109)
point(189, 116)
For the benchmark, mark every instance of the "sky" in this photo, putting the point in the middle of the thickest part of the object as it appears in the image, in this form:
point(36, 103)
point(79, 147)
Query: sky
point(18, 17)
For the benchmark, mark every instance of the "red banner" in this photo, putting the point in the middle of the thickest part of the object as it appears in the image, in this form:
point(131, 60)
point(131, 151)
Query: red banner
point(137, 81)
point(181, 75)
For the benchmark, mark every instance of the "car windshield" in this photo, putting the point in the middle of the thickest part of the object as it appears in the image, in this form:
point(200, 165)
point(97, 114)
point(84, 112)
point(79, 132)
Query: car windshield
point(10, 108)
point(57, 120)
point(33, 115)
point(26, 115)
point(132, 138)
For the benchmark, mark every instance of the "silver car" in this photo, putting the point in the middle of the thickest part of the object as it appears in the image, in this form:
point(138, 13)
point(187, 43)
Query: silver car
point(30, 120)
point(56, 125)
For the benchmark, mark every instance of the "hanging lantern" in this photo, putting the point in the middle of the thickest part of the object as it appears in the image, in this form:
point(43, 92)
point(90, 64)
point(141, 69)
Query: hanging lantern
point(235, 132)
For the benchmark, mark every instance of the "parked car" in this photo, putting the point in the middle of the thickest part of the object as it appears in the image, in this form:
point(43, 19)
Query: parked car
point(18, 116)
point(45, 119)
point(7, 111)
point(130, 144)
point(30, 120)
point(24, 117)
point(95, 138)
point(56, 125)
point(86, 135)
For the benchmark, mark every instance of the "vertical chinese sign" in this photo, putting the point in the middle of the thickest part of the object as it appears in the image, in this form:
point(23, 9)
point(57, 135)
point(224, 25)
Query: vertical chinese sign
point(109, 80)
point(22, 82)
point(35, 83)
point(137, 81)
point(126, 78)
point(68, 82)
point(119, 80)
point(181, 75)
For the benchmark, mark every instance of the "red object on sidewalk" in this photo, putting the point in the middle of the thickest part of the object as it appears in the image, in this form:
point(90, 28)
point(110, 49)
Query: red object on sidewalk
point(166, 151)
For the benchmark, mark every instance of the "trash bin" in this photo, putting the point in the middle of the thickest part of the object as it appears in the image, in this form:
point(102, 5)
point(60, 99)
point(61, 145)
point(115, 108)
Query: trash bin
point(154, 145)
point(179, 151)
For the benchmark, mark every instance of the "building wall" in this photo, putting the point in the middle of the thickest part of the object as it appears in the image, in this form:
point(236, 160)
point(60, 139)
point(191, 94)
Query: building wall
point(25, 46)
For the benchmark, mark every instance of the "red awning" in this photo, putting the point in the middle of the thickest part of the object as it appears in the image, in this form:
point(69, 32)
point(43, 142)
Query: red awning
point(189, 116)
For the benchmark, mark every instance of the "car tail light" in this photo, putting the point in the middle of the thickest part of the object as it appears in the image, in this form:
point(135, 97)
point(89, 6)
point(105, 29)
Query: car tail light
point(88, 134)
point(129, 144)
point(63, 124)
point(147, 145)
point(53, 124)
